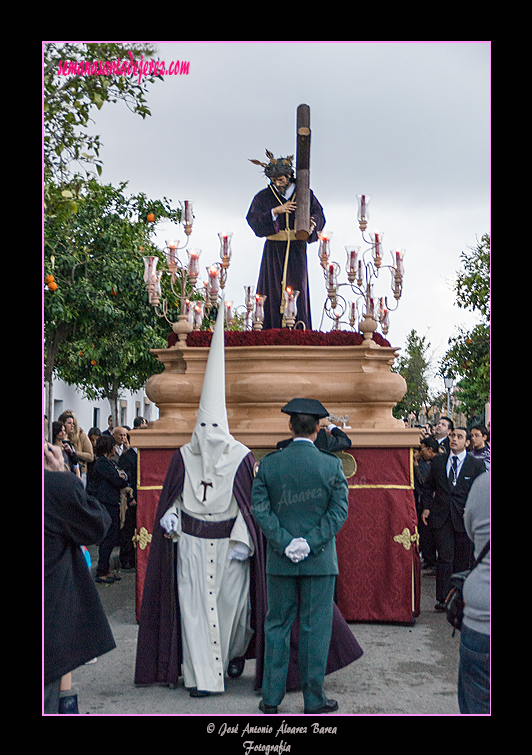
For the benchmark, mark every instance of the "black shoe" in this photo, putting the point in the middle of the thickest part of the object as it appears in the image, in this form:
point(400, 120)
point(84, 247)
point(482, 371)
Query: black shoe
point(68, 704)
point(329, 707)
point(267, 708)
point(236, 667)
point(440, 606)
point(199, 693)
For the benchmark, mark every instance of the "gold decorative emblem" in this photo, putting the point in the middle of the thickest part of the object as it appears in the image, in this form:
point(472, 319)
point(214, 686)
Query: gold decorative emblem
point(349, 464)
point(406, 539)
point(143, 538)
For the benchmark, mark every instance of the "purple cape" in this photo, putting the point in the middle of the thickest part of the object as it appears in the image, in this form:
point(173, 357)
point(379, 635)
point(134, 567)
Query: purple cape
point(159, 648)
point(260, 220)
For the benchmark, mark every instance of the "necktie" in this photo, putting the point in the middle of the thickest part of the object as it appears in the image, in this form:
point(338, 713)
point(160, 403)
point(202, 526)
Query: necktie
point(452, 471)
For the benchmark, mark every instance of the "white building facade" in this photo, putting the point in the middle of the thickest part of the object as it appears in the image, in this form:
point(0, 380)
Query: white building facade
point(95, 413)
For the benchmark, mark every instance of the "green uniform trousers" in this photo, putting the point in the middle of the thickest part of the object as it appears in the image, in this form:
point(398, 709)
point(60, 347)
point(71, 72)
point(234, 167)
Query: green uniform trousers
point(314, 595)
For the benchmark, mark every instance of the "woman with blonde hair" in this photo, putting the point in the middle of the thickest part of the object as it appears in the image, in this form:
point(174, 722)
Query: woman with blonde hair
point(80, 441)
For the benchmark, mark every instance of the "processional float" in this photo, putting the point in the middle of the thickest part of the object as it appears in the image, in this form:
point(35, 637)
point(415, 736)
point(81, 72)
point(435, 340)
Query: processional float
point(348, 369)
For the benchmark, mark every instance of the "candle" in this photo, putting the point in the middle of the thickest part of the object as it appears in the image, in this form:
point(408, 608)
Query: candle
point(248, 294)
point(225, 246)
point(188, 211)
point(352, 255)
point(290, 307)
point(213, 279)
point(193, 262)
point(189, 311)
point(229, 312)
point(150, 265)
point(259, 307)
point(172, 247)
point(155, 296)
point(377, 243)
point(198, 314)
point(399, 255)
point(324, 251)
point(187, 215)
point(362, 216)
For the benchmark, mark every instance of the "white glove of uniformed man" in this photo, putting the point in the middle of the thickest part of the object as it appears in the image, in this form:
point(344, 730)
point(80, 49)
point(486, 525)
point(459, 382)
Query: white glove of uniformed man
point(297, 549)
point(170, 523)
point(240, 552)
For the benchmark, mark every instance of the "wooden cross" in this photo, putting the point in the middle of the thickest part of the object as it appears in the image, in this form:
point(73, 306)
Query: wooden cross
point(302, 219)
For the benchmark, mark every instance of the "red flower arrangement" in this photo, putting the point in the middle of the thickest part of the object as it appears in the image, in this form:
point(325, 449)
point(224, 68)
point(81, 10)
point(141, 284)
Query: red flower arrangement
point(280, 337)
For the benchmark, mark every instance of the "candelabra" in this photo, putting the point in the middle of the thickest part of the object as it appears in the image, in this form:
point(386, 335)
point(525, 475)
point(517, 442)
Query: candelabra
point(254, 309)
point(367, 310)
point(192, 309)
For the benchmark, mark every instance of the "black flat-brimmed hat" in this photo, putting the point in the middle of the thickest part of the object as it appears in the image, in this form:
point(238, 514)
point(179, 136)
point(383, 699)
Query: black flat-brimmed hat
point(305, 406)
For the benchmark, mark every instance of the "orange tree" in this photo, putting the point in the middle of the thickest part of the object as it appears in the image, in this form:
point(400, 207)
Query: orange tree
point(98, 325)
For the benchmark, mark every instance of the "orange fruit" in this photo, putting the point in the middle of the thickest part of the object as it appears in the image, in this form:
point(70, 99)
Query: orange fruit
point(49, 279)
point(150, 218)
point(52, 286)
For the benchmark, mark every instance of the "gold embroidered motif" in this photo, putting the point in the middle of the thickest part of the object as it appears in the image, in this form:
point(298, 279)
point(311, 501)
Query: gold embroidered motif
point(143, 538)
point(406, 539)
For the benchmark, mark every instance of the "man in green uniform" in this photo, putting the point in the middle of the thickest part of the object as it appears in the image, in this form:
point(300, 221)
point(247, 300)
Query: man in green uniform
point(300, 502)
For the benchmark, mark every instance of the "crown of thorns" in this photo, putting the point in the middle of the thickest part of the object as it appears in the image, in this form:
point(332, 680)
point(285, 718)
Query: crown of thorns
point(280, 166)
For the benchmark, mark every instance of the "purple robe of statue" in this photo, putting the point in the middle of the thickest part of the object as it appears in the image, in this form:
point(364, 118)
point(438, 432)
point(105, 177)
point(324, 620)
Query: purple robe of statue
point(159, 646)
point(260, 220)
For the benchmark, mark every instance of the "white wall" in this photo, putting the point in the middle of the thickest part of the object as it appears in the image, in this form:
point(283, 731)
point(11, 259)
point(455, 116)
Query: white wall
point(95, 413)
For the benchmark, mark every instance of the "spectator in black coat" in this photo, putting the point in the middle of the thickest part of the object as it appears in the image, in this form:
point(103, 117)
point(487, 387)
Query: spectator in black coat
point(76, 629)
point(107, 482)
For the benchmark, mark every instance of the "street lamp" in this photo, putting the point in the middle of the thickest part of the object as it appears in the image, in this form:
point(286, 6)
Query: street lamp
point(449, 382)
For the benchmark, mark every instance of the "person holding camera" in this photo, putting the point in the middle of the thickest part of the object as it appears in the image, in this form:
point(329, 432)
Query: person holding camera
point(68, 452)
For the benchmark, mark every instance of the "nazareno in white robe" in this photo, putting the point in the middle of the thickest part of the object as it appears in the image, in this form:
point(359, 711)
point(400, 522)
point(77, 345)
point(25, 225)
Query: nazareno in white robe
point(214, 599)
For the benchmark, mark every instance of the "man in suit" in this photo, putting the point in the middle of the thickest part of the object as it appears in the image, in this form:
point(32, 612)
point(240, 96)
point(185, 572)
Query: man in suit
point(442, 433)
point(443, 498)
point(300, 502)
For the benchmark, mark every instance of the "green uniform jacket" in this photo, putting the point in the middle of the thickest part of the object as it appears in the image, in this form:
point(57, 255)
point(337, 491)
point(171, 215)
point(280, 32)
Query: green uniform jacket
point(300, 491)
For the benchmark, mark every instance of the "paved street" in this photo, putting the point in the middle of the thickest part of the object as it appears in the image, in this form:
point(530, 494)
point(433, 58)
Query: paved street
point(405, 670)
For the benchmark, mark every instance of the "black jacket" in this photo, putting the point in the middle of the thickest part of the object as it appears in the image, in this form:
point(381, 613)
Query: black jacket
point(106, 482)
point(442, 498)
point(75, 626)
point(336, 441)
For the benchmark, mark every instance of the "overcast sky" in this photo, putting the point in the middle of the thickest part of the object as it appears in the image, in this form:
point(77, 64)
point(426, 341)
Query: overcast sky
point(407, 123)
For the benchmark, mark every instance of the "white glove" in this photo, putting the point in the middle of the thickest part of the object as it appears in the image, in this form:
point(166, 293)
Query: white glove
point(297, 549)
point(240, 552)
point(170, 523)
